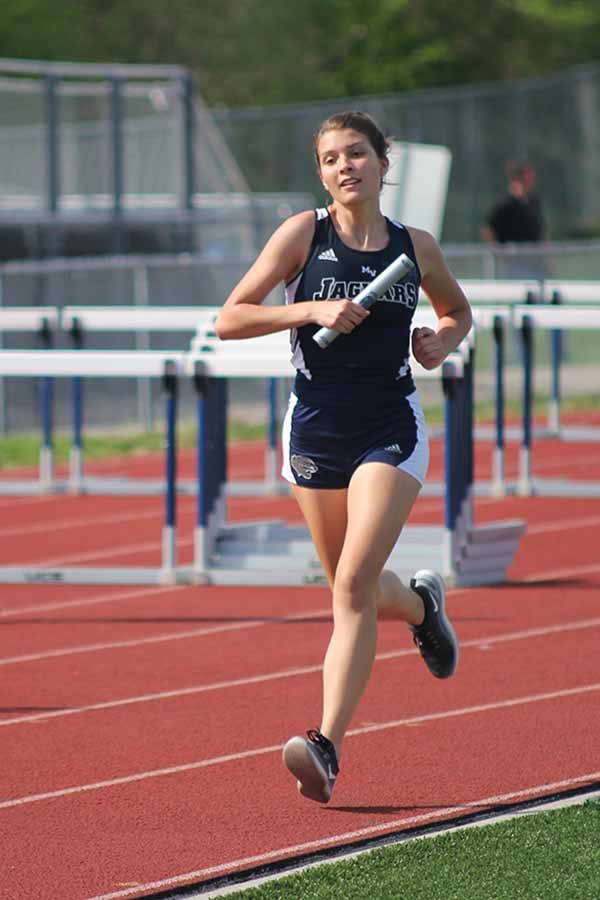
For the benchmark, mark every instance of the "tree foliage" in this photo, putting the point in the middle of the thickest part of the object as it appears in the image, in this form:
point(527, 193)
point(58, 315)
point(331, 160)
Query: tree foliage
point(261, 52)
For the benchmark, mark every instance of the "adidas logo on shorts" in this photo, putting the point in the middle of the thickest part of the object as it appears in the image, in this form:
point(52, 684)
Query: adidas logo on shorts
point(394, 448)
point(328, 255)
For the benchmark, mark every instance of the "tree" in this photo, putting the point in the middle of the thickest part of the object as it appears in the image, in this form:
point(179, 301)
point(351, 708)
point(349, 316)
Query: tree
point(260, 52)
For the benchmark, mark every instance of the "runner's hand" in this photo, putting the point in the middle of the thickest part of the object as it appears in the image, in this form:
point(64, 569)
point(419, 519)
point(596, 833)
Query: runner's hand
point(427, 348)
point(342, 315)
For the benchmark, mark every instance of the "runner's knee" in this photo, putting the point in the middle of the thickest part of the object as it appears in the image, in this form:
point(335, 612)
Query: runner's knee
point(355, 588)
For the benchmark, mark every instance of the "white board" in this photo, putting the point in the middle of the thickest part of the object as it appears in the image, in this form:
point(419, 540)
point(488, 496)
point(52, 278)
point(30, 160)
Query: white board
point(417, 185)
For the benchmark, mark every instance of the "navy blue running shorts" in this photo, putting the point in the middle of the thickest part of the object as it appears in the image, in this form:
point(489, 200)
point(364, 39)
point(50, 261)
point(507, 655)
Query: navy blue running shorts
point(323, 447)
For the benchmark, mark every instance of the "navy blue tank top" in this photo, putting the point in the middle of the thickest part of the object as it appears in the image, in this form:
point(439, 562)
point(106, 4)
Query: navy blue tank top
point(374, 359)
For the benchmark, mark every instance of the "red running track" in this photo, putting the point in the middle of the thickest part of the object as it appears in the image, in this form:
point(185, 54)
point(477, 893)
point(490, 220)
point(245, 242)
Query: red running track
point(141, 728)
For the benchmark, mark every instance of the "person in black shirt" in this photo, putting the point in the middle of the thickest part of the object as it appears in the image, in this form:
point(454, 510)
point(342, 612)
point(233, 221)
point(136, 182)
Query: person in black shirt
point(517, 218)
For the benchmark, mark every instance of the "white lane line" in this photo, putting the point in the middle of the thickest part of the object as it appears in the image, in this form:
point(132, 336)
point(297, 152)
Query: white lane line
point(122, 550)
point(262, 751)
point(21, 501)
point(154, 545)
point(121, 645)
point(133, 594)
point(84, 522)
point(531, 792)
point(564, 525)
point(173, 636)
point(159, 638)
point(571, 572)
point(292, 673)
point(321, 843)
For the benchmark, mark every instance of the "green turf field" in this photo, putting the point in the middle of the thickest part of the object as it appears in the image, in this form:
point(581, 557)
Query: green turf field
point(552, 855)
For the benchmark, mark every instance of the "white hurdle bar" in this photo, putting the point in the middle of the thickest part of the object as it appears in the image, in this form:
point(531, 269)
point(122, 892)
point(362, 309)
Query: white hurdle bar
point(501, 291)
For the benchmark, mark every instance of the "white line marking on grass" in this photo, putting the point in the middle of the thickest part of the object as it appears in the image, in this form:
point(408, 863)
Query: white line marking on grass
point(262, 751)
point(478, 643)
point(382, 828)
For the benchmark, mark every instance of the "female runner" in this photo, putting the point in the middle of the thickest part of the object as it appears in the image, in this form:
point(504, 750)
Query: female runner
point(355, 443)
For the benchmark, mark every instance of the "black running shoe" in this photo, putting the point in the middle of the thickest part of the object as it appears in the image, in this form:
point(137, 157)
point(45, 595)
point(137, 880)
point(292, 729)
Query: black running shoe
point(314, 763)
point(435, 637)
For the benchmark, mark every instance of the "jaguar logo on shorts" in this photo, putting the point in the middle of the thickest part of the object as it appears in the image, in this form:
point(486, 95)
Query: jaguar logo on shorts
point(304, 466)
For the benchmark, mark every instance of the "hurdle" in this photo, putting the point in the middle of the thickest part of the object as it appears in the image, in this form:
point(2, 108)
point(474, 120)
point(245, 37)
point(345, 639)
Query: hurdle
point(42, 322)
point(274, 553)
point(97, 364)
point(558, 318)
point(263, 552)
point(80, 321)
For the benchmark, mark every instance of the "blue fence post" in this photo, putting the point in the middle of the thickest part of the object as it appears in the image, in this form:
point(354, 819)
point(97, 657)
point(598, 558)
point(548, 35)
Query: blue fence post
point(117, 164)
point(52, 244)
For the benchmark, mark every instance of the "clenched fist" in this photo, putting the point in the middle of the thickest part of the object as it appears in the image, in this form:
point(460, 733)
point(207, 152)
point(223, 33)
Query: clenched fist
point(427, 348)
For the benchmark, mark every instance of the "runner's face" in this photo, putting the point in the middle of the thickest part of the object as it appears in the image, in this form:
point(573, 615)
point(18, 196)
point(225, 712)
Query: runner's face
point(349, 167)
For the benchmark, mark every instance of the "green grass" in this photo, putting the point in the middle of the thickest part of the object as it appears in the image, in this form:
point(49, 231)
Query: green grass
point(551, 855)
point(23, 449)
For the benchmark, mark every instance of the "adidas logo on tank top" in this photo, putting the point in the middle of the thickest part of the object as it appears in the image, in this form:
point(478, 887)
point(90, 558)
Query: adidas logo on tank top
point(328, 255)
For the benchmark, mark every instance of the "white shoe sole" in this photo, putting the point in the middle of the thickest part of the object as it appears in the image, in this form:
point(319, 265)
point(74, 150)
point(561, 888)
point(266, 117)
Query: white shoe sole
point(312, 779)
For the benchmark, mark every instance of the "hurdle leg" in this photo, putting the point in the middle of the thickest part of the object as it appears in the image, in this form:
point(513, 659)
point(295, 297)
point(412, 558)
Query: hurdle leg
point(451, 475)
point(46, 464)
point(525, 484)
point(498, 468)
point(76, 450)
point(169, 548)
point(201, 531)
point(556, 359)
point(271, 451)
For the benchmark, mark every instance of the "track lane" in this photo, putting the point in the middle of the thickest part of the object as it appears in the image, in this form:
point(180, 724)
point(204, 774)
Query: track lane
point(108, 839)
point(38, 756)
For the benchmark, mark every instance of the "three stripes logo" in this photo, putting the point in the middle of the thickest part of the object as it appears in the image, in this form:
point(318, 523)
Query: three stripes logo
point(328, 256)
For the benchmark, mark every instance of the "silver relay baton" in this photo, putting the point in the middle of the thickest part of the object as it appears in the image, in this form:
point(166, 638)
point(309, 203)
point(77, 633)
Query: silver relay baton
point(369, 295)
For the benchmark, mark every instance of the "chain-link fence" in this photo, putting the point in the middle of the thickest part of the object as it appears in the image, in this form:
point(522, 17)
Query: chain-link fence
point(554, 122)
